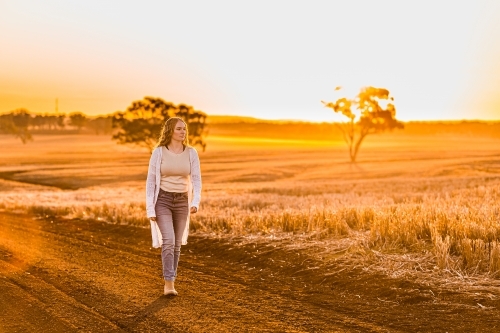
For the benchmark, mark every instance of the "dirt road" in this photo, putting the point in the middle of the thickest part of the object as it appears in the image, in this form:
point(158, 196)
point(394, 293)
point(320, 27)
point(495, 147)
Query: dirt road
point(86, 276)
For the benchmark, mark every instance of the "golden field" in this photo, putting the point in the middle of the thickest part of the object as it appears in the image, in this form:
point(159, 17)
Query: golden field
point(422, 204)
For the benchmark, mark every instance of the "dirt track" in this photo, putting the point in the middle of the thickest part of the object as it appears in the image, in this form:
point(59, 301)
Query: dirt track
point(68, 276)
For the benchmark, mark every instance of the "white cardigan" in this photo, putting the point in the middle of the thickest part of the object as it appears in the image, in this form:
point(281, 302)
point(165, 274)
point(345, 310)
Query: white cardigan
point(153, 188)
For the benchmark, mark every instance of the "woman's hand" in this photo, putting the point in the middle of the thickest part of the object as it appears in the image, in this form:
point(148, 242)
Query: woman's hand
point(193, 210)
point(153, 219)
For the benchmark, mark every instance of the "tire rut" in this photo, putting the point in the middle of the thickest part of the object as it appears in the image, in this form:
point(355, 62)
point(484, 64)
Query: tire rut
point(55, 302)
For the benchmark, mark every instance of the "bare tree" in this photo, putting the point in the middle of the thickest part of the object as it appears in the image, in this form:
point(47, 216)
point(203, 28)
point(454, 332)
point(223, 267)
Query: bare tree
point(366, 114)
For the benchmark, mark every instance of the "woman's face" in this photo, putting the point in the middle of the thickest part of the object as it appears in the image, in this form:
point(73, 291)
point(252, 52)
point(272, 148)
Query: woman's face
point(179, 131)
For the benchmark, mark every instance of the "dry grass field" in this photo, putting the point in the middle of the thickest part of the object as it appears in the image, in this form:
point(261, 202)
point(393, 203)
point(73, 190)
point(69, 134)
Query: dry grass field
point(419, 209)
point(435, 197)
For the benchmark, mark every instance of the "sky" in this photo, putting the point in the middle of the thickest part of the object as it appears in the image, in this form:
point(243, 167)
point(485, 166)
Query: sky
point(267, 59)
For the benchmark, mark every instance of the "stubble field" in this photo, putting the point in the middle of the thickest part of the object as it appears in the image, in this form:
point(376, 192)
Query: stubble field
point(417, 218)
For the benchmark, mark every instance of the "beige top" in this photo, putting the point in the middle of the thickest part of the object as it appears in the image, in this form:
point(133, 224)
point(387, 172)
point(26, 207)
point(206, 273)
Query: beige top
point(153, 189)
point(175, 170)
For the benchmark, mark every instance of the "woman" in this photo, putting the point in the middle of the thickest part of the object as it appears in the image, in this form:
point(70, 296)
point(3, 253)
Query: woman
point(173, 192)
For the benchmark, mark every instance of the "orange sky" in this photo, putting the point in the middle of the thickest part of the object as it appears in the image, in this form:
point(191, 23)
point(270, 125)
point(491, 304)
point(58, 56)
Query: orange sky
point(266, 59)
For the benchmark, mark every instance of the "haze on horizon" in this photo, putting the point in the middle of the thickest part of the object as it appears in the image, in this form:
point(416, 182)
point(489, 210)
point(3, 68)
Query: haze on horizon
point(263, 59)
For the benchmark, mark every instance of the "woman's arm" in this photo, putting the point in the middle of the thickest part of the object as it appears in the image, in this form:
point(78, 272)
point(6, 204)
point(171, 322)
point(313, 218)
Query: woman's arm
point(151, 185)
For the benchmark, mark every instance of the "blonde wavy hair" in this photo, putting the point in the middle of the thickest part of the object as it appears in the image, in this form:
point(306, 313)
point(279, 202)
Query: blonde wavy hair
point(168, 130)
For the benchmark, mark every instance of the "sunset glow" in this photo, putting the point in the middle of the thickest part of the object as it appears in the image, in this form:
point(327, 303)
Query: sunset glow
point(264, 59)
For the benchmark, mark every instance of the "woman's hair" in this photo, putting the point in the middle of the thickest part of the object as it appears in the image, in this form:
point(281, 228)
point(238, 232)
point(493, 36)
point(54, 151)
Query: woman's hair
point(167, 131)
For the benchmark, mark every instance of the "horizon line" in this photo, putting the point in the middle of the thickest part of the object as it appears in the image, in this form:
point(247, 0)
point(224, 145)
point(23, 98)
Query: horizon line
point(256, 119)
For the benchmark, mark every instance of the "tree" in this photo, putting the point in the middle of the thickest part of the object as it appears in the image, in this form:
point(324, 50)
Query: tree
point(141, 123)
point(366, 115)
point(16, 123)
point(76, 119)
point(38, 121)
point(60, 120)
point(196, 121)
point(100, 124)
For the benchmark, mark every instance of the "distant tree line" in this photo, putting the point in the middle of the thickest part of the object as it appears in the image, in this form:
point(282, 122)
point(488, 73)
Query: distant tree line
point(139, 124)
point(24, 123)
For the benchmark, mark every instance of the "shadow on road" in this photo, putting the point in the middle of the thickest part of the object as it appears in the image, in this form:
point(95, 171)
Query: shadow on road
point(131, 323)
